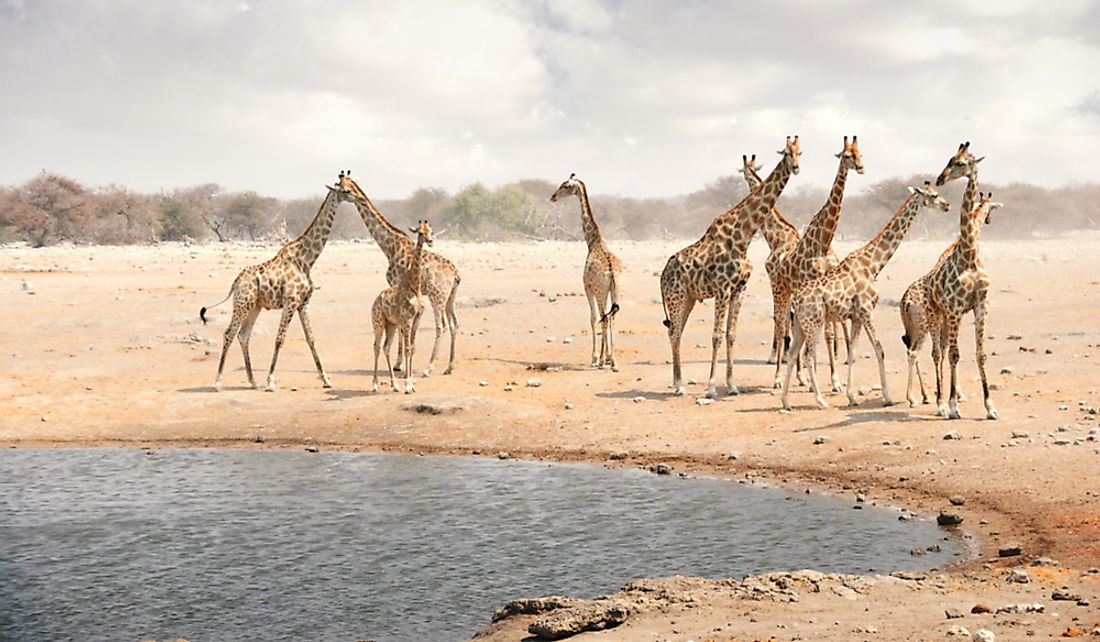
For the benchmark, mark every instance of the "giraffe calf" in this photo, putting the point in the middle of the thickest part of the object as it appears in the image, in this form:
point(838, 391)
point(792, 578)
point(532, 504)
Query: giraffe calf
point(398, 310)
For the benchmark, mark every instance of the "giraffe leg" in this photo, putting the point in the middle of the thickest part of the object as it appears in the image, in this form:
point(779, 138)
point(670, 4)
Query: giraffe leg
point(452, 328)
point(409, 330)
point(440, 317)
point(953, 363)
point(678, 314)
point(880, 354)
point(613, 296)
point(781, 308)
point(379, 331)
point(288, 314)
point(851, 340)
point(980, 312)
point(601, 307)
point(939, 341)
point(307, 329)
point(391, 330)
point(721, 309)
point(593, 318)
point(230, 332)
point(810, 348)
point(798, 339)
point(731, 336)
point(831, 347)
point(914, 367)
point(243, 336)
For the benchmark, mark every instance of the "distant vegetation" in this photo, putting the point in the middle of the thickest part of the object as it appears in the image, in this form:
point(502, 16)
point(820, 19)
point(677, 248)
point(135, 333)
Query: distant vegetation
point(51, 209)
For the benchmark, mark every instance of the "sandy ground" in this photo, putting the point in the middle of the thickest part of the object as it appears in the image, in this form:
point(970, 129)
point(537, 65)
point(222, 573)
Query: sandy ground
point(103, 346)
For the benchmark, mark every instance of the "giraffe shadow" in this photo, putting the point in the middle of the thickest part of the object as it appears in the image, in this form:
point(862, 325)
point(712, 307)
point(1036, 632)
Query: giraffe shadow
point(540, 366)
point(648, 395)
point(334, 394)
point(355, 373)
point(210, 389)
point(856, 418)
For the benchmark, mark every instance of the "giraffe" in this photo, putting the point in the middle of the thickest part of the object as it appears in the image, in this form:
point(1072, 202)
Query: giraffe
point(812, 257)
point(960, 285)
point(848, 293)
point(283, 283)
point(399, 307)
point(440, 278)
point(601, 272)
point(717, 266)
point(918, 315)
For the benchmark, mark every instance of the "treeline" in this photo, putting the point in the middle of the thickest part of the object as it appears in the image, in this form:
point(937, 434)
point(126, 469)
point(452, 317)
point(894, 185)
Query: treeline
point(50, 209)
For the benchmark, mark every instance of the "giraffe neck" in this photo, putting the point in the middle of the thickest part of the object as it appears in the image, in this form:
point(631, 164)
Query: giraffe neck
point(822, 228)
point(757, 206)
point(777, 231)
point(588, 224)
point(752, 179)
point(414, 280)
point(385, 234)
point(307, 247)
point(970, 195)
point(966, 252)
point(879, 250)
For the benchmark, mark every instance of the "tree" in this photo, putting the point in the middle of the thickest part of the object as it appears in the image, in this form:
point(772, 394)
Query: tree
point(476, 211)
point(121, 216)
point(47, 209)
point(242, 213)
point(183, 212)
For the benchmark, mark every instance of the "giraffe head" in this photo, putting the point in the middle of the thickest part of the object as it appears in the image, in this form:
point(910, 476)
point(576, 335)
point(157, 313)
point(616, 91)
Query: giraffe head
point(962, 163)
point(986, 206)
point(749, 166)
point(790, 153)
point(850, 155)
point(569, 187)
point(345, 188)
point(423, 230)
point(929, 197)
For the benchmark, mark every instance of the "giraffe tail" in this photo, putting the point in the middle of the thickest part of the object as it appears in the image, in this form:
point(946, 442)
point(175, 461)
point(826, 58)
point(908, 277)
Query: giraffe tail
point(907, 341)
point(614, 299)
point(203, 309)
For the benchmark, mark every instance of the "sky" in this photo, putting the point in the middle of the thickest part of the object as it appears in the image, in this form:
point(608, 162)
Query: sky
point(641, 99)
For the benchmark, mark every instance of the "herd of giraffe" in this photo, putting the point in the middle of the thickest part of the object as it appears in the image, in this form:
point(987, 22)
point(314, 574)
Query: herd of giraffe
point(812, 290)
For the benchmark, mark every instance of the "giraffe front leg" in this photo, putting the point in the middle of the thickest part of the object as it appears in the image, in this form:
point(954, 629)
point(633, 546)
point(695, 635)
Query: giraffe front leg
point(440, 325)
point(731, 337)
point(831, 343)
point(307, 329)
point(288, 314)
point(880, 354)
point(980, 311)
point(798, 339)
point(410, 349)
point(811, 359)
point(953, 363)
point(776, 353)
point(851, 340)
point(593, 318)
point(244, 335)
point(911, 358)
point(939, 340)
point(391, 330)
point(379, 331)
point(721, 309)
point(781, 309)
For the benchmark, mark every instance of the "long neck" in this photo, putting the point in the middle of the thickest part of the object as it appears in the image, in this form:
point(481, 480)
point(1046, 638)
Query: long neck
point(414, 278)
point(588, 223)
point(970, 195)
point(385, 234)
point(308, 246)
point(753, 209)
point(967, 250)
point(879, 250)
point(752, 179)
point(822, 228)
point(778, 231)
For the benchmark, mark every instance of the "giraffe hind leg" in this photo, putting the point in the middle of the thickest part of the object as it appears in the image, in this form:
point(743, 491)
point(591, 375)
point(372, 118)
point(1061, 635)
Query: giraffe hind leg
point(288, 314)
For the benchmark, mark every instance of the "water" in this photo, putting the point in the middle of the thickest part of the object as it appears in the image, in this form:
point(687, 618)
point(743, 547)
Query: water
point(243, 545)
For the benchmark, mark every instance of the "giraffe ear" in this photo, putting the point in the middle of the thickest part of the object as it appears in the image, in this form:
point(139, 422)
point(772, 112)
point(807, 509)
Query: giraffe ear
point(912, 190)
point(978, 160)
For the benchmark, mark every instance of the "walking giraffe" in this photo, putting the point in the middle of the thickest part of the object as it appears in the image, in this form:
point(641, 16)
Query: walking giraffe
point(398, 308)
point(717, 266)
point(918, 314)
point(440, 278)
point(601, 273)
point(282, 283)
point(847, 293)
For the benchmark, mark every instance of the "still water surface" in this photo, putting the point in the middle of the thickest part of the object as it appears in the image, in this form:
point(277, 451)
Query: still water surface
point(121, 544)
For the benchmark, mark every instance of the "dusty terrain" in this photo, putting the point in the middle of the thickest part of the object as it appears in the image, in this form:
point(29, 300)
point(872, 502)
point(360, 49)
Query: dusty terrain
point(104, 346)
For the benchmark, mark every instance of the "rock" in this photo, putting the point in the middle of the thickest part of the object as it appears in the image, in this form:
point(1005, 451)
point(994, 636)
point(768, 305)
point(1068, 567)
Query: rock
point(483, 383)
point(509, 388)
point(1006, 370)
point(533, 606)
point(916, 552)
point(595, 615)
point(618, 456)
point(534, 382)
point(734, 456)
point(638, 399)
point(1063, 594)
point(983, 635)
point(961, 631)
point(550, 339)
point(1019, 434)
point(1021, 608)
point(503, 455)
point(568, 406)
point(312, 449)
point(1015, 337)
point(956, 500)
point(1072, 632)
point(953, 614)
point(259, 439)
point(436, 406)
point(1018, 576)
point(1045, 561)
point(935, 548)
point(1009, 551)
point(980, 608)
point(663, 469)
point(953, 435)
point(949, 519)
point(703, 401)
point(820, 439)
point(567, 340)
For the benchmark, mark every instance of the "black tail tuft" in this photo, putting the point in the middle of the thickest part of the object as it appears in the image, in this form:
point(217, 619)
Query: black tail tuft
point(610, 313)
point(202, 314)
point(667, 323)
point(905, 340)
point(786, 343)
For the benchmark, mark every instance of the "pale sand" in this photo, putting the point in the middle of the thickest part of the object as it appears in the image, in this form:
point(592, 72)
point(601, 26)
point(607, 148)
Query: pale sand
point(108, 350)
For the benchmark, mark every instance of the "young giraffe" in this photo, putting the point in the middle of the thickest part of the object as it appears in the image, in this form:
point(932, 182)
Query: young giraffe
point(812, 258)
point(848, 293)
point(440, 278)
point(782, 238)
point(601, 272)
point(918, 315)
point(399, 308)
point(281, 283)
point(717, 266)
point(960, 285)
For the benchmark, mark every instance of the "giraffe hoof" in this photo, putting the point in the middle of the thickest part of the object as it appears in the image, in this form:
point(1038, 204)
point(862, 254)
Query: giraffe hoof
point(269, 389)
point(217, 386)
point(679, 392)
point(712, 393)
point(326, 384)
point(853, 402)
point(912, 403)
point(954, 414)
point(374, 388)
point(886, 403)
point(992, 415)
point(448, 371)
point(733, 390)
point(426, 374)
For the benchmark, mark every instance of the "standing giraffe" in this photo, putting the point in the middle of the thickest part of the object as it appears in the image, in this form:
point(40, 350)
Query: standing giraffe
point(399, 308)
point(848, 293)
point(960, 285)
point(281, 283)
point(717, 266)
point(918, 315)
point(812, 257)
point(601, 273)
point(440, 278)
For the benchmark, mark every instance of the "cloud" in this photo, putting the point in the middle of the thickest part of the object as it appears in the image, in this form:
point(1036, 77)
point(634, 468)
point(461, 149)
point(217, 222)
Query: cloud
point(644, 98)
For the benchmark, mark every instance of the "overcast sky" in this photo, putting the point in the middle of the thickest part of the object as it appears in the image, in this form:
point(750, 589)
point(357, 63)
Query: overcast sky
point(650, 98)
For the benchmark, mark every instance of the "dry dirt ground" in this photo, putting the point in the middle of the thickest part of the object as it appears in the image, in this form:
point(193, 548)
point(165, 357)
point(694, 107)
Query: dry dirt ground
point(103, 346)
